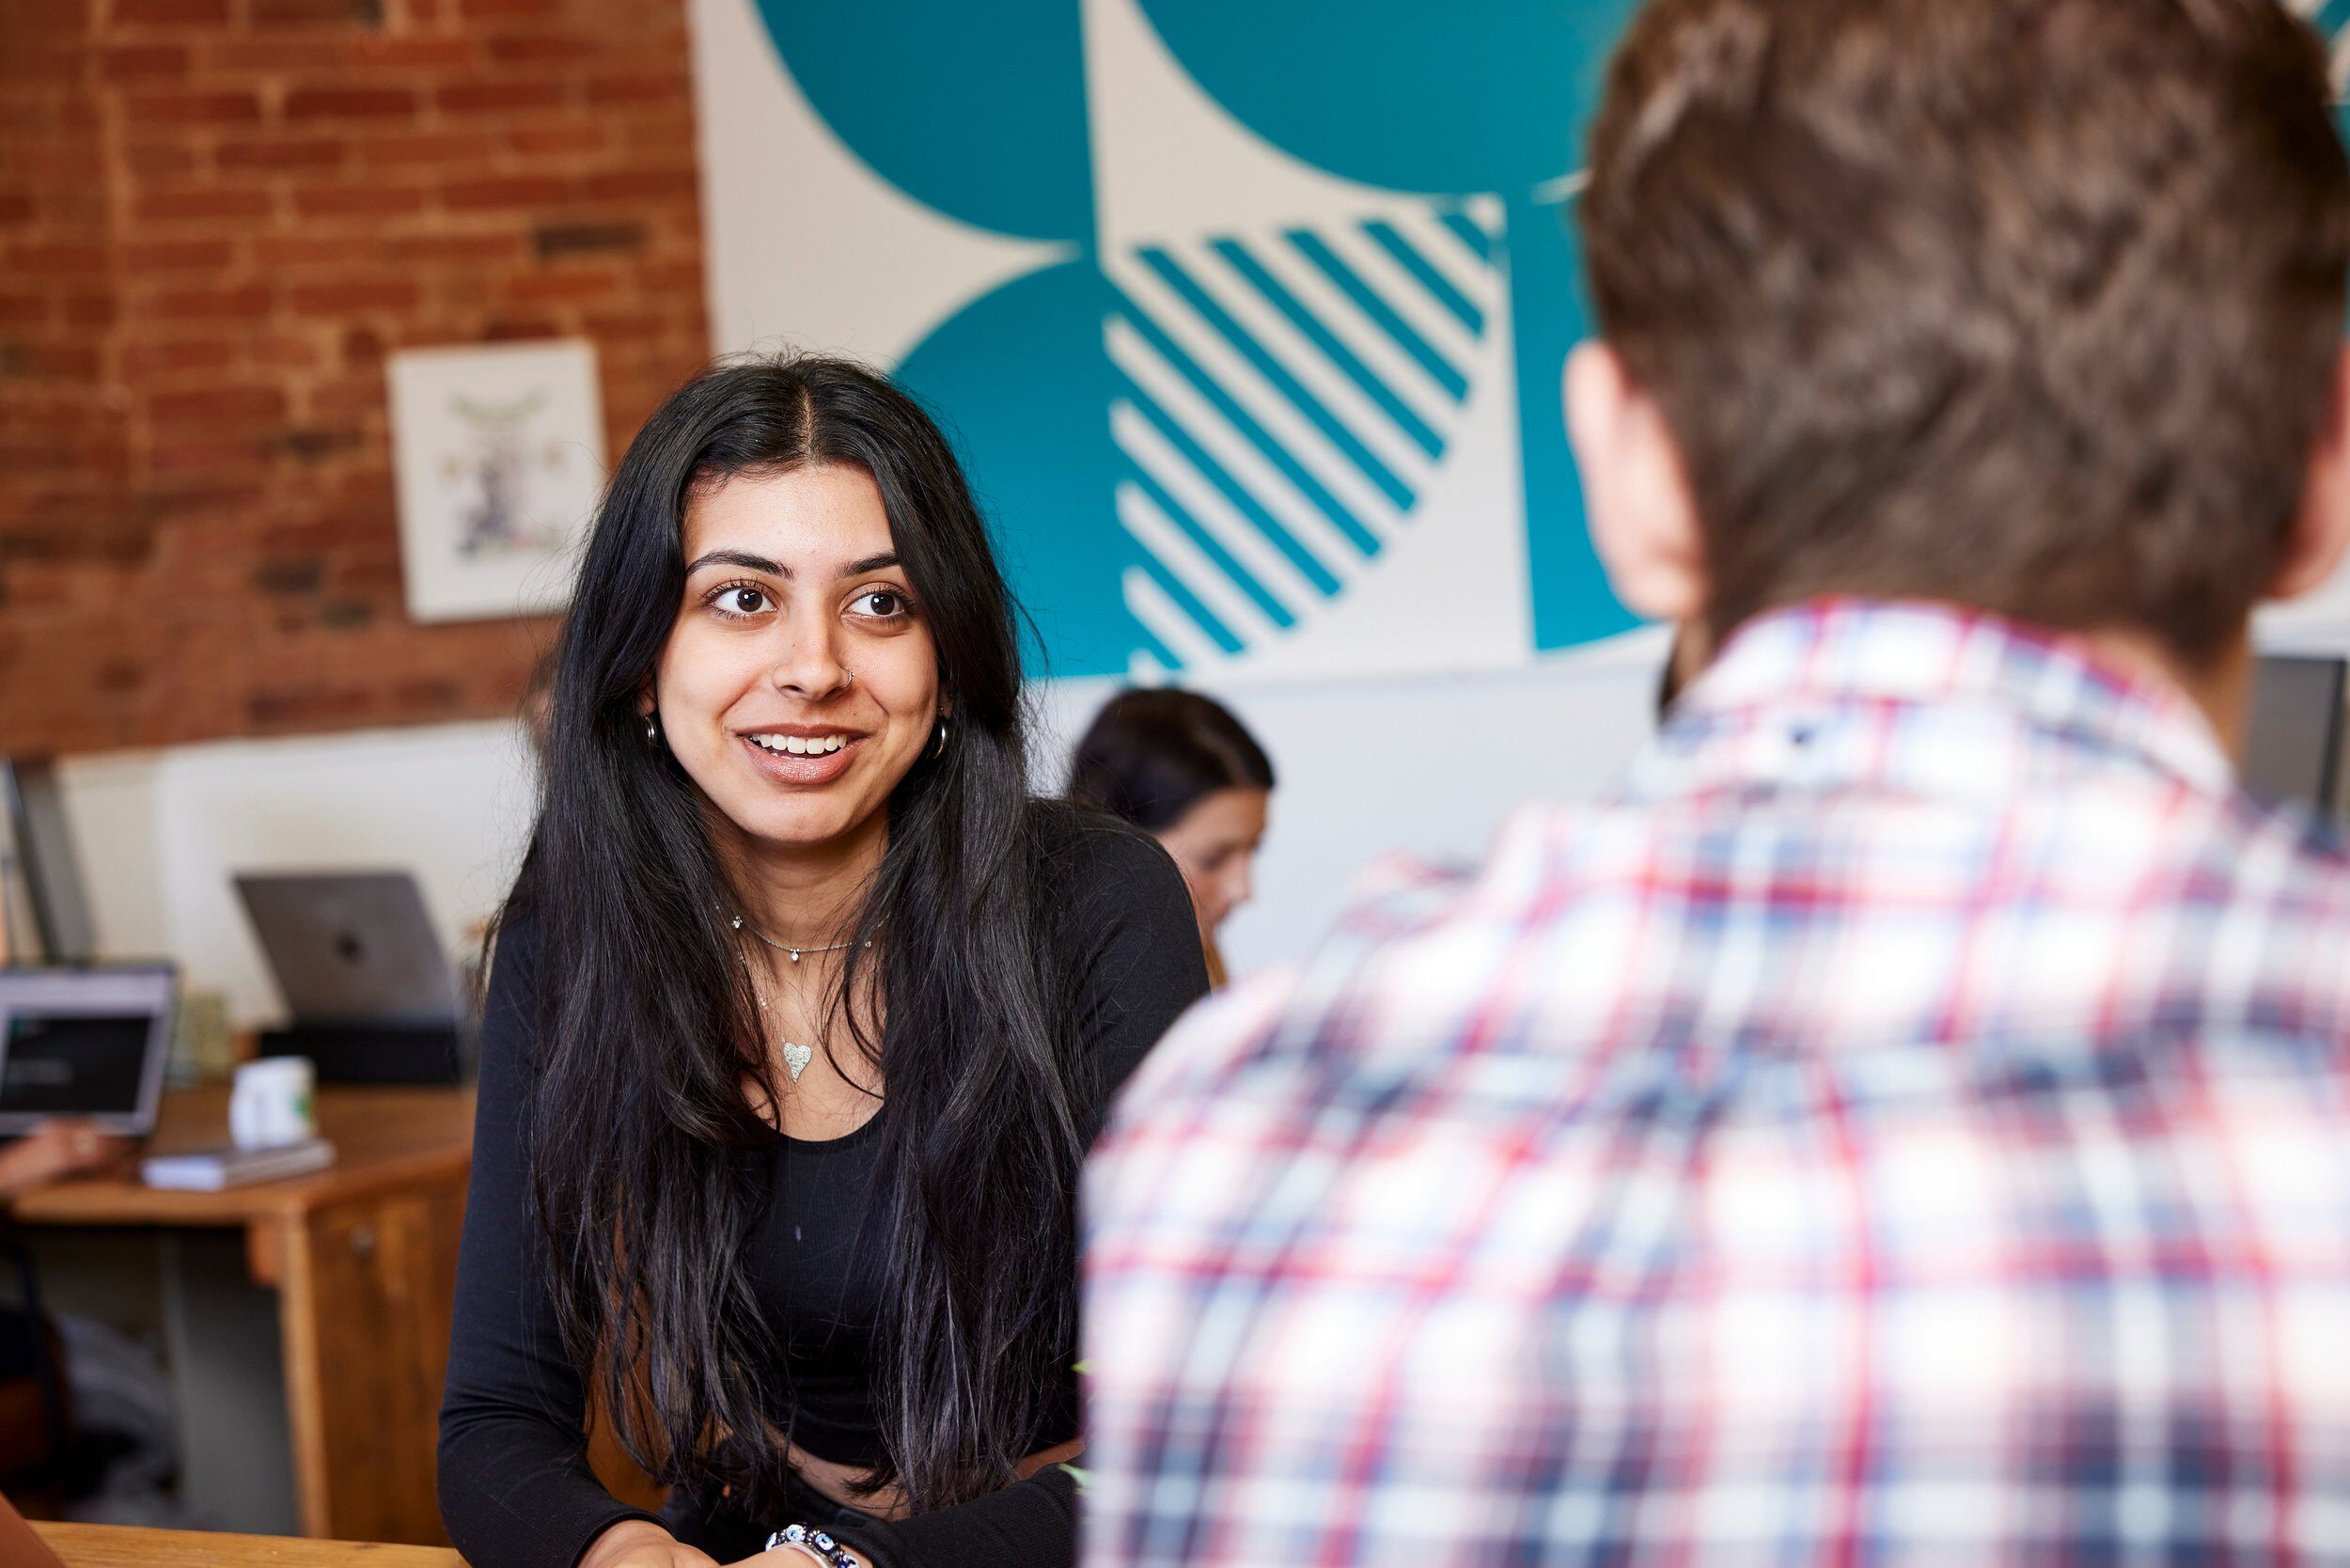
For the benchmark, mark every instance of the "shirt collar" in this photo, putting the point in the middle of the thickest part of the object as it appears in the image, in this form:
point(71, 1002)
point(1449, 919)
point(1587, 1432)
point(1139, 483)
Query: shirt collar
point(1931, 699)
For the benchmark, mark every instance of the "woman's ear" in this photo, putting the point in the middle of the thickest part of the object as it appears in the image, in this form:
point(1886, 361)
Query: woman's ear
point(1643, 518)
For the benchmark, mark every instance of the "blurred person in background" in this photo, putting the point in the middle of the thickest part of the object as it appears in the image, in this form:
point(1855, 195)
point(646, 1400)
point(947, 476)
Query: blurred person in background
point(802, 1015)
point(1181, 768)
point(57, 1445)
point(1909, 1122)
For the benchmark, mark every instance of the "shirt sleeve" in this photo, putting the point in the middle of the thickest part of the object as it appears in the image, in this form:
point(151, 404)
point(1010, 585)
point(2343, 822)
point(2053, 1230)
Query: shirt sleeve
point(516, 1489)
point(1031, 1524)
point(1140, 959)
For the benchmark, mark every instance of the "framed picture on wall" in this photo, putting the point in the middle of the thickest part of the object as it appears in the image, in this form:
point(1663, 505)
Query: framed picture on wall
point(498, 455)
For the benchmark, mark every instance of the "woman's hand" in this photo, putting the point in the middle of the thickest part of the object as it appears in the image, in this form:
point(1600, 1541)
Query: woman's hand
point(642, 1544)
point(791, 1556)
point(54, 1150)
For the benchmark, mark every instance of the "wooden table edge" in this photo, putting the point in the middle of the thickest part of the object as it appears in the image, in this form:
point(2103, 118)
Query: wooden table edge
point(120, 1201)
point(436, 1122)
point(128, 1546)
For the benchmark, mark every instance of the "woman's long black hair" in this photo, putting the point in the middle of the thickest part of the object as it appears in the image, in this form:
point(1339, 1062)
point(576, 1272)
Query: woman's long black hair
point(648, 1028)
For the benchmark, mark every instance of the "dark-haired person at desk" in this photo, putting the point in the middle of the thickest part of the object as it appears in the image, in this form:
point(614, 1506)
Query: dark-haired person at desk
point(803, 1015)
point(1179, 767)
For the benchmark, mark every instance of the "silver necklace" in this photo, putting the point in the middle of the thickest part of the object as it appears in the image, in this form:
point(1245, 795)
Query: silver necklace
point(794, 949)
point(795, 1055)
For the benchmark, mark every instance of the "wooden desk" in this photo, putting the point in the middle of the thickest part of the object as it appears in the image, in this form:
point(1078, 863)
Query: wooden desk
point(363, 1258)
point(112, 1547)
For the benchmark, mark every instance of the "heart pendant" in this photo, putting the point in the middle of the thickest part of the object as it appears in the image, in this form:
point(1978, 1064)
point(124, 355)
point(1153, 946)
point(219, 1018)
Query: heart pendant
point(795, 1059)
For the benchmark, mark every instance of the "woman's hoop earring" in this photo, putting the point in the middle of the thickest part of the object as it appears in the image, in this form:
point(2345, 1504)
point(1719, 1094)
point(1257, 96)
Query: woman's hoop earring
point(652, 731)
point(938, 744)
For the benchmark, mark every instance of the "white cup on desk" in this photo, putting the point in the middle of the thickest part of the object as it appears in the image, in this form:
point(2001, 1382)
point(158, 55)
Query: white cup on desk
point(274, 1103)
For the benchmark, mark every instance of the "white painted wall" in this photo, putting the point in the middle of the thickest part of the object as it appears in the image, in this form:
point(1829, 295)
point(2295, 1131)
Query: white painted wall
point(162, 833)
point(1424, 764)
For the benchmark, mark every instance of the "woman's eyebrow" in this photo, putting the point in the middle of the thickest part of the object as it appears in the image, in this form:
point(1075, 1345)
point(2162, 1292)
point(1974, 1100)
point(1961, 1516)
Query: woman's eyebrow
point(776, 569)
point(739, 558)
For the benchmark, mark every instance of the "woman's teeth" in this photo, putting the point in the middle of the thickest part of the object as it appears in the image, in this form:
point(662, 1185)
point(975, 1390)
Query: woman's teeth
point(801, 746)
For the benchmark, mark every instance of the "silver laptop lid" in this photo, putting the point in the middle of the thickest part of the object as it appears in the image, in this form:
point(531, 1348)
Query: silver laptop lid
point(351, 946)
point(85, 1041)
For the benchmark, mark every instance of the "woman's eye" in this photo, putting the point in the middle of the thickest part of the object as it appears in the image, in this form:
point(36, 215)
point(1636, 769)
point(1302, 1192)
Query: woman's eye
point(741, 599)
point(880, 604)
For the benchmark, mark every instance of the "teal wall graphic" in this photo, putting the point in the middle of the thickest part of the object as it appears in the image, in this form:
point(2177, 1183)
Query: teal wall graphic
point(1248, 318)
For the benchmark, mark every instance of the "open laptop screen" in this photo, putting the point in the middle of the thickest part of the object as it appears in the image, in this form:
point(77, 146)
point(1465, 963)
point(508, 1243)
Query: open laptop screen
point(89, 1043)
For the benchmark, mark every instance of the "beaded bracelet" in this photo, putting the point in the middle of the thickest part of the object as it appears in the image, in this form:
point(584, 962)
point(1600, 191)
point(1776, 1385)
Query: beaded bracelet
point(825, 1549)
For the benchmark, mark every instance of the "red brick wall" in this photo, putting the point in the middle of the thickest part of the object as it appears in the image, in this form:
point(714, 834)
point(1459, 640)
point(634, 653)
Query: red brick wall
point(216, 217)
point(63, 506)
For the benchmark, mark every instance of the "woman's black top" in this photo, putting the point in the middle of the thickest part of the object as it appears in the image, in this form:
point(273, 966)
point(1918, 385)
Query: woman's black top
point(516, 1490)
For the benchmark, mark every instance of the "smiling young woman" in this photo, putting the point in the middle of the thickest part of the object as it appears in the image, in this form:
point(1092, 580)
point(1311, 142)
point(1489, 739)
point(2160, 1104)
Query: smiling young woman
point(804, 1011)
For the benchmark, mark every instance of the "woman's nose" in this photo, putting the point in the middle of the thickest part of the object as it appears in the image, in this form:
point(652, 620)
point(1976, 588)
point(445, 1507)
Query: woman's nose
point(810, 664)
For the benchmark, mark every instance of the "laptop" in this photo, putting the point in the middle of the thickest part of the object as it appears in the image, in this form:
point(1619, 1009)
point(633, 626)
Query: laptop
point(370, 993)
point(85, 1041)
point(350, 947)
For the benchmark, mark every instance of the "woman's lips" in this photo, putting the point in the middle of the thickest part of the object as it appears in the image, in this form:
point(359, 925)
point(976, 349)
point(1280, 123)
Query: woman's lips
point(784, 768)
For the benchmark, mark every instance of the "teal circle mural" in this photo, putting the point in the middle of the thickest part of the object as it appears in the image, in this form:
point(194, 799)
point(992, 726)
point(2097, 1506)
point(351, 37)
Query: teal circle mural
point(976, 110)
point(1193, 444)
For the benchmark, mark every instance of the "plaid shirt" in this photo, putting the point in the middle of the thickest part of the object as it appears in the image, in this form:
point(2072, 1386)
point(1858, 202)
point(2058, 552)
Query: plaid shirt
point(1911, 1123)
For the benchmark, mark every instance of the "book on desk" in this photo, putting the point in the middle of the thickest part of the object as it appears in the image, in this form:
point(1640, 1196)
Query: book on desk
point(218, 1170)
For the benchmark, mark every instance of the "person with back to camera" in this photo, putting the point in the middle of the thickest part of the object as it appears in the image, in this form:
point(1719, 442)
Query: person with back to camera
point(802, 1014)
point(1181, 767)
point(1908, 1123)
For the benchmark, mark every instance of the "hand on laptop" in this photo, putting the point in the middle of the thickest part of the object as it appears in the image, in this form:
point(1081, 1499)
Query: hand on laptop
point(53, 1151)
